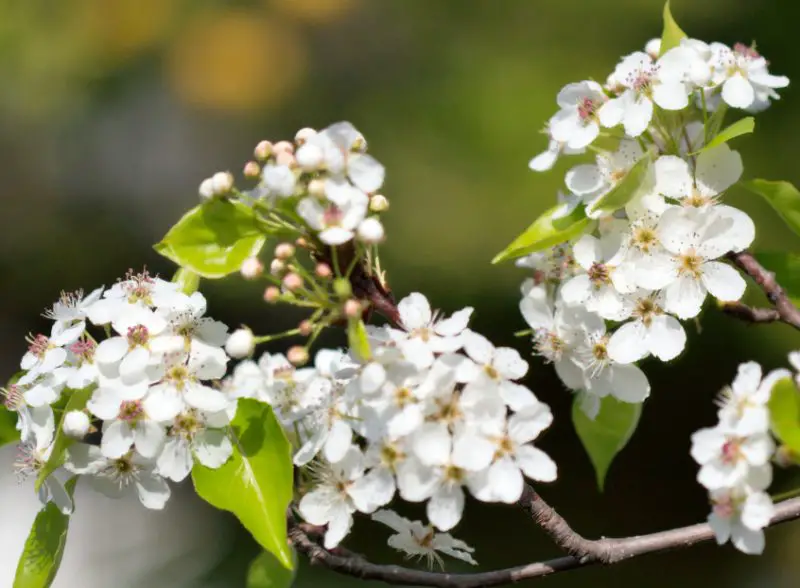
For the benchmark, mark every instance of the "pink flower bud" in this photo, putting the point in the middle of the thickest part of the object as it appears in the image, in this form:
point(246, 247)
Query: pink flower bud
point(304, 135)
point(292, 281)
point(272, 294)
point(323, 270)
point(352, 308)
point(284, 251)
point(251, 268)
point(297, 355)
point(252, 170)
point(263, 150)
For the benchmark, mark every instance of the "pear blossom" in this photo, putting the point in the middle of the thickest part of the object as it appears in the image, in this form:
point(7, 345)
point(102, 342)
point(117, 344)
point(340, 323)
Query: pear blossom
point(337, 220)
point(32, 455)
point(744, 404)
point(590, 181)
point(651, 331)
point(278, 181)
point(715, 171)
point(137, 290)
point(194, 435)
point(727, 457)
point(43, 356)
point(126, 423)
point(576, 124)
point(739, 515)
point(69, 316)
point(422, 541)
point(744, 77)
point(547, 158)
point(130, 352)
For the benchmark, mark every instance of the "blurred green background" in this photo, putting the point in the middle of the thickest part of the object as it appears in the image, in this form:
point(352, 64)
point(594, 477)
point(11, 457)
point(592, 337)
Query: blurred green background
point(113, 111)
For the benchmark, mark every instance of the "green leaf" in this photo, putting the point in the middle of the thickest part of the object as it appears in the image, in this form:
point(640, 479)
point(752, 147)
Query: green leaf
point(267, 572)
point(256, 482)
point(213, 239)
point(672, 35)
point(606, 435)
point(188, 280)
point(357, 339)
point(77, 400)
point(740, 127)
point(546, 232)
point(786, 267)
point(8, 426)
point(625, 190)
point(784, 411)
point(782, 196)
point(38, 564)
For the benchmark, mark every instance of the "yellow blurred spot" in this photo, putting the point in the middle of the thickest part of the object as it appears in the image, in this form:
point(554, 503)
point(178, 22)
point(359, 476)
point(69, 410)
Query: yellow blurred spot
point(317, 11)
point(236, 61)
point(123, 28)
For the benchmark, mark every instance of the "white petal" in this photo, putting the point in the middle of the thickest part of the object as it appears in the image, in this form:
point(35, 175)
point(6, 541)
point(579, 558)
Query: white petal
point(133, 366)
point(758, 510)
point(175, 461)
point(212, 448)
point(205, 398)
point(536, 464)
point(747, 540)
point(627, 343)
point(472, 451)
point(432, 444)
point(149, 437)
point(666, 338)
point(738, 92)
point(506, 480)
point(671, 96)
point(509, 363)
point(104, 404)
point(153, 490)
point(455, 324)
point(338, 527)
point(315, 506)
point(610, 114)
point(163, 403)
point(365, 172)
point(673, 177)
point(584, 179)
point(718, 169)
point(637, 116)
point(544, 161)
point(516, 396)
point(415, 481)
point(576, 290)
point(372, 491)
point(415, 311)
point(446, 507)
point(478, 347)
point(111, 350)
point(629, 383)
point(338, 441)
point(722, 281)
point(117, 439)
point(587, 251)
point(335, 235)
point(684, 297)
point(525, 425)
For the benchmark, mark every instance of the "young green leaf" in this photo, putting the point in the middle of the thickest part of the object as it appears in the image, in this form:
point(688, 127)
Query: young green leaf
point(740, 127)
point(625, 190)
point(786, 267)
point(41, 556)
point(546, 232)
point(357, 339)
point(672, 35)
point(784, 412)
point(77, 400)
point(256, 482)
point(213, 239)
point(8, 426)
point(267, 572)
point(605, 436)
point(782, 196)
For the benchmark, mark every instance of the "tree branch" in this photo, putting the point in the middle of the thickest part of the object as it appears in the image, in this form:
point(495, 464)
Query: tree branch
point(784, 310)
point(606, 551)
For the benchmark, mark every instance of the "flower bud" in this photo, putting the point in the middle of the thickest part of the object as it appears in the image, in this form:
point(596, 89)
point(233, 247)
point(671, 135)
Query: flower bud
point(378, 203)
point(277, 267)
point(370, 230)
point(352, 308)
point(306, 328)
point(283, 147)
point(323, 270)
point(342, 288)
point(241, 343)
point(316, 188)
point(252, 170)
point(263, 150)
point(285, 158)
point(206, 189)
point(272, 294)
point(284, 251)
point(653, 48)
point(297, 355)
point(304, 135)
point(223, 182)
point(76, 424)
point(251, 268)
point(310, 157)
point(292, 281)
point(301, 243)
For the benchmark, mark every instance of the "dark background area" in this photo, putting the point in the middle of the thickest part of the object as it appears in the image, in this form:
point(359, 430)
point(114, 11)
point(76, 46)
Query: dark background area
point(112, 112)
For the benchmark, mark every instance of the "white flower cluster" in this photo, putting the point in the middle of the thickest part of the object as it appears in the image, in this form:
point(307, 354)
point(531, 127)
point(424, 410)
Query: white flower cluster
point(735, 460)
point(151, 408)
point(326, 178)
point(603, 301)
point(435, 410)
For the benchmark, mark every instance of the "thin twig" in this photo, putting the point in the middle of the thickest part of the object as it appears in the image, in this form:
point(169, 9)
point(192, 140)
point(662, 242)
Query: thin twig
point(613, 550)
point(787, 312)
point(751, 314)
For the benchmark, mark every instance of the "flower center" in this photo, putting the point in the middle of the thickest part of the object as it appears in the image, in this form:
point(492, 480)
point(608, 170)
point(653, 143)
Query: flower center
point(587, 108)
point(644, 238)
point(131, 411)
point(186, 424)
point(38, 345)
point(492, 372)
point(646, 309)
point(697, 200)
point(454, 474)
point(746, 51)
point(548, 344)
point(449, 411)
point(138, 336)
point(724, 507)
point(83, 350)
point(403, 397)
point(391, 455)
point(690, 264)
point(13, 399)
point(731, 451)
point(599, 274)
point(332, 216)
point(139, 287)
point(178, 375)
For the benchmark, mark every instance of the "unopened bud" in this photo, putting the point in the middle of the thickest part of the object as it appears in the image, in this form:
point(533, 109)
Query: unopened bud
point(272, 294)
point(76, 424)
point(206, 189)
point(342, 288)
point(352, 308)
point(285, 158)
point(316, 188)
point(304, 135)
point(323, 270)
point(297, 355)
point(263, 150)
point(252, 170)
point(277, 267)
point(292, 282)
point(370, 230)
point(284, 251)
point(251, 268)
point(306, 328)
point(240, 344)
point(283, 147)
point(378, 203)
point(301, 243)
point(223, 182)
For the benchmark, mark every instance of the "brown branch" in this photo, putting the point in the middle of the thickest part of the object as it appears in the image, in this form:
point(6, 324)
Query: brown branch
point(750, 314)
point(606, 551)
point(784, 310)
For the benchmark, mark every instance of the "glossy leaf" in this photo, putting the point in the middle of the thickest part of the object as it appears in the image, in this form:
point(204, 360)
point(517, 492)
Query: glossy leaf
point(740, 127)
point(605, 436)
point(44, 547)
point(256, 482)
point(546, 232)
point(784, 411)
point(357, 339)
point(625, 190)
point(672, 34)
point(267, 572)
point(782, 196)
point(213, 239)
point(76, 400)
point(8, 426)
